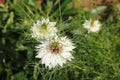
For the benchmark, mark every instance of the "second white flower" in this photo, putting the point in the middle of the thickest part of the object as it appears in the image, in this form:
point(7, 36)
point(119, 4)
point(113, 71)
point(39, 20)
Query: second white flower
point(92, 26)
point(43, 29)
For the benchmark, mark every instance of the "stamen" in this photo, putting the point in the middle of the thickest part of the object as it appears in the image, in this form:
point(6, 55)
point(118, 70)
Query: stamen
point(55, 48)
point(44, 28)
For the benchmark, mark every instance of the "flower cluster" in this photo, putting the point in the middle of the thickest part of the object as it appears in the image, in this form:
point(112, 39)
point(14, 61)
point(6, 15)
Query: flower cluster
point(52, 50)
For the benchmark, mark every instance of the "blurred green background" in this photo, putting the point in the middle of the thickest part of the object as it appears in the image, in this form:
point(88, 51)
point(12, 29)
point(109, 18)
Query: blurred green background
point(96, 57)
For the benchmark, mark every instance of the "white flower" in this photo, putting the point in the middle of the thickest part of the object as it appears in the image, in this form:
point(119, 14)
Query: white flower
point(92, 26)
point(55, 51)
point(43, 29)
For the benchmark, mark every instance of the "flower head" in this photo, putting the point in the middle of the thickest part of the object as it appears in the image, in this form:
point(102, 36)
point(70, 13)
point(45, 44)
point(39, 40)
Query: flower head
point(92, 26)
point(55, 51)
point(43, 29)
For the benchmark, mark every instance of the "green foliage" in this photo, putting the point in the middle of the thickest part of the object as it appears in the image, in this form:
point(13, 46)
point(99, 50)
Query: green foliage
point(19, 76)
point(96, 57)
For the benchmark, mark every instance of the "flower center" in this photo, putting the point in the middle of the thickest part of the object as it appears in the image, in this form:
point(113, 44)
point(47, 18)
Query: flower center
point(92, 23)
point(44, 28)
point(55, 48)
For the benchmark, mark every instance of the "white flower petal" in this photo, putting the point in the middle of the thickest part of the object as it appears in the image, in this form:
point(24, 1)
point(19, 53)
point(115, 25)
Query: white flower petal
point(40, 55)
point(53, 61)
point(67, 55)
point(52, 24)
